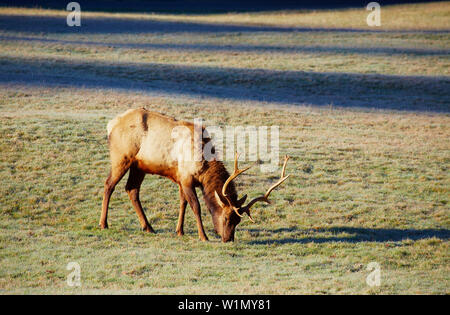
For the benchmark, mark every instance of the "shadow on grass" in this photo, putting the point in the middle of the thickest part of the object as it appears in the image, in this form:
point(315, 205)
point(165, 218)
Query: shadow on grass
point(102, 25)
point(321, 49)
point(284, 87)
point(357, 235)
point(197, 6)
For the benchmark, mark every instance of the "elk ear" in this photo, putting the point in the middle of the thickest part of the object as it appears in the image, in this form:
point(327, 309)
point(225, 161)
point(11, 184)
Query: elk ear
point(241, 201)
point(219, 201)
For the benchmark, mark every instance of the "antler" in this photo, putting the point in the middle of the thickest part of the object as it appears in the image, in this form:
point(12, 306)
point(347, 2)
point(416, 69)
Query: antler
point(235, 174)
point(265, 198)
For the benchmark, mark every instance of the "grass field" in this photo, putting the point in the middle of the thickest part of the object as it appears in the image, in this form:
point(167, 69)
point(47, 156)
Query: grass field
point(365, 116)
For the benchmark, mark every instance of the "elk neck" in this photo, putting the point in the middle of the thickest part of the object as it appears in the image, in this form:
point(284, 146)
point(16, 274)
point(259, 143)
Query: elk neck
point(212, 179)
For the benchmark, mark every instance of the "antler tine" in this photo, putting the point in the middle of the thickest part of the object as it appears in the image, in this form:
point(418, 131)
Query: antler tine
point(282, 178)
point(235, 174)
point(265, 198)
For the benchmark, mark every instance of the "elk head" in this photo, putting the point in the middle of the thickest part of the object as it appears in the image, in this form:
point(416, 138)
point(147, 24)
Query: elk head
point(232, 212)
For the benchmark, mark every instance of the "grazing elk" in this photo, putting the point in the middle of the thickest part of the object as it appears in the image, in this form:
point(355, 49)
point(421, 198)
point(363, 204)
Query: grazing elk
point(142, 142)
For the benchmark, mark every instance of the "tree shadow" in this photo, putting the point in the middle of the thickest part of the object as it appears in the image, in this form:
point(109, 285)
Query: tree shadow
point(100, 25)
point(243, 48)
point(357, 235)
point(41, 24)
point(196, 6)
point(284, 87)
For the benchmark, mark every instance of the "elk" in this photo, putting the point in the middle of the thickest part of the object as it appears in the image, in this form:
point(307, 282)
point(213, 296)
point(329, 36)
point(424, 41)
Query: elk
point(142, 142)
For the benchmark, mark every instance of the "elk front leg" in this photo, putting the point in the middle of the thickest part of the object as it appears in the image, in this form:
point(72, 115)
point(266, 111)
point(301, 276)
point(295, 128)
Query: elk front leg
point(133, 186)
point(114, 177)
point(191, 197)
point(183, 203)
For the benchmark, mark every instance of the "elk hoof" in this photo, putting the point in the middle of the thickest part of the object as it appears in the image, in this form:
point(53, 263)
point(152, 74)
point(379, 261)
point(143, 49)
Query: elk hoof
point(148, 229)
point(180, 233)
point(103, 225)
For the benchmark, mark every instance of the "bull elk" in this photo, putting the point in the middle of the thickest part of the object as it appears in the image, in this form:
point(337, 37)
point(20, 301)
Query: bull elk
point(142, 142)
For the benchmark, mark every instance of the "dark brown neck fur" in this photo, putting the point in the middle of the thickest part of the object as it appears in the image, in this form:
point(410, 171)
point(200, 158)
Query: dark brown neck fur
point(212, 179)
